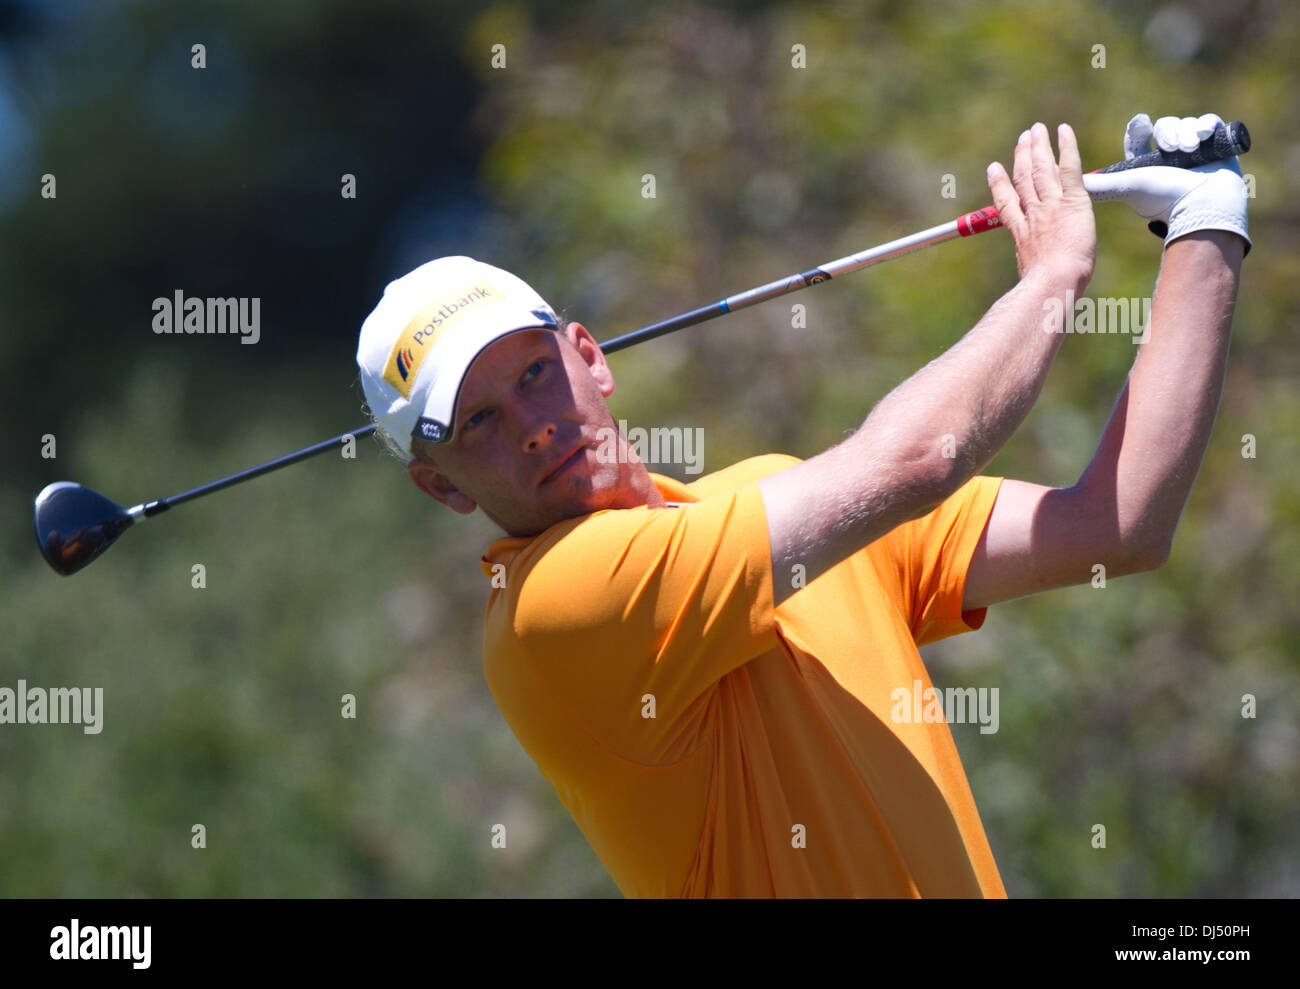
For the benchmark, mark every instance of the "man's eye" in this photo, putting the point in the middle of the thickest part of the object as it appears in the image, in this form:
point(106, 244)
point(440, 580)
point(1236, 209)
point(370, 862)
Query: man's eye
point(534, 369)
point(474, 420)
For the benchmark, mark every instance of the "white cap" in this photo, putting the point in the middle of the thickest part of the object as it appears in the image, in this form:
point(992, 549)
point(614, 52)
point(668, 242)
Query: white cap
point(418, 344)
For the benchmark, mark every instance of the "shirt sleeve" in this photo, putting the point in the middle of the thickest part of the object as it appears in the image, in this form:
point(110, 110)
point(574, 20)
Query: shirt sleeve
point(924, 561)
point(620, 604)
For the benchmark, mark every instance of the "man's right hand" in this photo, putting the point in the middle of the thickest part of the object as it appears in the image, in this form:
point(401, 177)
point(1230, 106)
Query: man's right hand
point(1047, 210)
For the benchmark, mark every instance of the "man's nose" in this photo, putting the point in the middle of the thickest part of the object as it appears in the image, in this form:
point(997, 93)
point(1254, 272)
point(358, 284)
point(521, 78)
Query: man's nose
point(539, 431)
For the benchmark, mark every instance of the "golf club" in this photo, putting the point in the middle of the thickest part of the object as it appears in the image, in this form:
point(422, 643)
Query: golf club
point(75, 524)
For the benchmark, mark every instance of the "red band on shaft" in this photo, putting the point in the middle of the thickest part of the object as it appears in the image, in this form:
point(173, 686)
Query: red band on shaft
point(977, 222)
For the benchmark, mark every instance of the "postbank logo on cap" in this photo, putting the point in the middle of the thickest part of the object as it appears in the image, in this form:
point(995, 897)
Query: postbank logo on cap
point(420, 335)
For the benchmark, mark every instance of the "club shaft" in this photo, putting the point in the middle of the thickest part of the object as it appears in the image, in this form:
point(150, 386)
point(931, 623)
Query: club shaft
point(963, 226)
point(792, 283)
point(149, 508)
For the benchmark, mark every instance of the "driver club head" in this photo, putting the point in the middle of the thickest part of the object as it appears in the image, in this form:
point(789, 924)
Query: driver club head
point(75, 524)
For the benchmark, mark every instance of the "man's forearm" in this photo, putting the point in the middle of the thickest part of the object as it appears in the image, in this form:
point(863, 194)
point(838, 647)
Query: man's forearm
point(923, 440)
point(938, 428)
point(958, 411)
point(1157, 434)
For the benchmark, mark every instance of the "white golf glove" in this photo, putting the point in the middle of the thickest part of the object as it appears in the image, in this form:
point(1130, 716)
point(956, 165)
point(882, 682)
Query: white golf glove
point(1176, 201)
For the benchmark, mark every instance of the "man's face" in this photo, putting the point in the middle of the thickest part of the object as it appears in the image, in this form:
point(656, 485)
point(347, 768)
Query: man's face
point(530, 419)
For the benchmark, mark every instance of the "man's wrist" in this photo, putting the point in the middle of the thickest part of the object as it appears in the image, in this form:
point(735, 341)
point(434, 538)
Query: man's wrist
point(1227, 244)
point(1058, 278)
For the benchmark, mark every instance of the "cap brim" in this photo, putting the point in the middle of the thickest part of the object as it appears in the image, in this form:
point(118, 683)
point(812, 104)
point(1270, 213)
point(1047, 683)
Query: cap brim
point(436, 422)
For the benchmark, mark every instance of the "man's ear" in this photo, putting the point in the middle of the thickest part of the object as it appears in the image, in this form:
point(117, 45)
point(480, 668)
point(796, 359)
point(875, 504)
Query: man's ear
point(585, 344)
point(436, 486)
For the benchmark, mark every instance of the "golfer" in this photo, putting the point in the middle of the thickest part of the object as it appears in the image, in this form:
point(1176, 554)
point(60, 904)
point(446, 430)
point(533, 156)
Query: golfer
point(707, 672)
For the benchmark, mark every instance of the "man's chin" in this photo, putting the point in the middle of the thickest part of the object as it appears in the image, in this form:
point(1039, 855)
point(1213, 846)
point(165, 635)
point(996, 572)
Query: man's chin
point(562, 512)
point(573, 498)
point(580, 503)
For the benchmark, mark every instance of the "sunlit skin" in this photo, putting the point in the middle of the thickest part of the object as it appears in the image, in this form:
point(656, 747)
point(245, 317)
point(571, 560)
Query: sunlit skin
point(527, 430)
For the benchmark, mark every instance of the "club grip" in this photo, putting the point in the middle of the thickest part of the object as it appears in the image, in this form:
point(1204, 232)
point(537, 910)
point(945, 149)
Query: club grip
point(1227, 141)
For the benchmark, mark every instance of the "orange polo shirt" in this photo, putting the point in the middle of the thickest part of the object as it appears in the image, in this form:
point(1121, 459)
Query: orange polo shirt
point(708, 744)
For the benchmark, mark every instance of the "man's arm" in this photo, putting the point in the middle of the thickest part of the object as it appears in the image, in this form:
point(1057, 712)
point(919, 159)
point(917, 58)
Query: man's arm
point(1125, 507)
point(971, 398)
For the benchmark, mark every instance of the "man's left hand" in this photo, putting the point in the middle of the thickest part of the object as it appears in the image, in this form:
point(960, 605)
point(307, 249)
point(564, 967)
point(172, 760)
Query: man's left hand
point(1176, 201)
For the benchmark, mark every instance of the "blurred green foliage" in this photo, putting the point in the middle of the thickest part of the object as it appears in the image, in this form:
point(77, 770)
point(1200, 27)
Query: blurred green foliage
point(1118, 707)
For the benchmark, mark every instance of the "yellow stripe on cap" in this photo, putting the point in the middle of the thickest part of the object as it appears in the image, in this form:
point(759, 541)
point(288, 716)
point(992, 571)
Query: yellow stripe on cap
point(428, 326)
